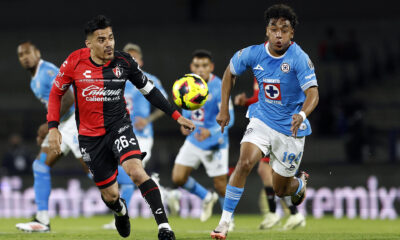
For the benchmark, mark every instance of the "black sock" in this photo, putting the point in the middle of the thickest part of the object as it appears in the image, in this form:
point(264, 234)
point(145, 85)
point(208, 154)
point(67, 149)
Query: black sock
point(151, 194)
point(293, 209)
point(271, 198)
point(115, 206)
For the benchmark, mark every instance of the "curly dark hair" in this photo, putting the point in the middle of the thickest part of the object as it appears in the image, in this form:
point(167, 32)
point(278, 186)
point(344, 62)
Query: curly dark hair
point(281, 11)
point(98, 22)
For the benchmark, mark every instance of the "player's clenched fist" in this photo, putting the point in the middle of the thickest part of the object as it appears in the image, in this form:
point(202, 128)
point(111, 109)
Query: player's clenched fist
point(55, 140)
point(186, 123)
point(223, 119)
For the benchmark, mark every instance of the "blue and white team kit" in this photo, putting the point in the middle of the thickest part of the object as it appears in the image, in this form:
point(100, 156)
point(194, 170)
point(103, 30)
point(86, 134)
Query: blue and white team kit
point(213, 151)
point(138, 106)
point(282, 82)
point(41, 85)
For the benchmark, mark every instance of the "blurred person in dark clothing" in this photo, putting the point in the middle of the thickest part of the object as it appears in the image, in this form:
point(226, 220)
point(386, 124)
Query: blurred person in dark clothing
point(17, 160)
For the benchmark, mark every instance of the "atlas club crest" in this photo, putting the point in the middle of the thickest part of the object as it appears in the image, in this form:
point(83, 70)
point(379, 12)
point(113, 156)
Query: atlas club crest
point(117, 71)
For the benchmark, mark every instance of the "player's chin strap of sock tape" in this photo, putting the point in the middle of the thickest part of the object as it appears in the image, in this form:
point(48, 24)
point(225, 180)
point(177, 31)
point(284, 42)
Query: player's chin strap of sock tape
point(300, 186)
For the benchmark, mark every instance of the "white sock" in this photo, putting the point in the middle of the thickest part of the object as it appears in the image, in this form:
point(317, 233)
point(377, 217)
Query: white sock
point(43, 217)
point(164, 225)
point(226, 217)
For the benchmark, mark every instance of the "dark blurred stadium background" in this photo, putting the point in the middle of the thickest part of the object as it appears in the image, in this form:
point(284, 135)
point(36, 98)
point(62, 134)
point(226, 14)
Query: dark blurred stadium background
point(353, 155)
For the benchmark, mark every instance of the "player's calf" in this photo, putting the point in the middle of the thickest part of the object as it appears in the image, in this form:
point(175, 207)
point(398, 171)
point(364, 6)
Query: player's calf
point(300, 193)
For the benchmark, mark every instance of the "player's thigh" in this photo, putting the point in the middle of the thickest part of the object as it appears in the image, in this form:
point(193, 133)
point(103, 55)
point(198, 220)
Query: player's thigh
point(181, 173)
point(286, 154)
point(189, 155)
point(134, 168)
point(250, 154)
point(215, 162)
point(145, 144)
point(69, 134)
point(257, 134)
point(100, 160)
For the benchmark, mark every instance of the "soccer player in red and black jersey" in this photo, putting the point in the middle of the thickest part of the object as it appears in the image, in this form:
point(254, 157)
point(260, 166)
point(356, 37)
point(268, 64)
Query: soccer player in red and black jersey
point(271, 218)
point(98, 75)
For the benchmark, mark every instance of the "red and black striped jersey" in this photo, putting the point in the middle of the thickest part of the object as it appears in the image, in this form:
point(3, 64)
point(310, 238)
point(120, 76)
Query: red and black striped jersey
point(99, 91)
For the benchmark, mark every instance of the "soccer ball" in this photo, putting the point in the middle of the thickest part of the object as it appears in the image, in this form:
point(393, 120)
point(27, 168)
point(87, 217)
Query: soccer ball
point(190, 92)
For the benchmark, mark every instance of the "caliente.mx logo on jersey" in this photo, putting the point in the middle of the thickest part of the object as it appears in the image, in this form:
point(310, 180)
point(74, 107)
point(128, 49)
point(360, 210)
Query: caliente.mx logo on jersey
point(272, 90)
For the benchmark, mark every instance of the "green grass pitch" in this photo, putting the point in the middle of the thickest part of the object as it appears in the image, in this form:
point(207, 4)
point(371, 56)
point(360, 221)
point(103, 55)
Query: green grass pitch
point(246, 228)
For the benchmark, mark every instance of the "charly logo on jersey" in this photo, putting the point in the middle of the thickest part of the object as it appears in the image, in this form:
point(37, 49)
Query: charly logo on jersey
point(198, 115)
point(285, 67)
point(117, 71)
point(87, 74)
point(272, 90)
point(95, 93)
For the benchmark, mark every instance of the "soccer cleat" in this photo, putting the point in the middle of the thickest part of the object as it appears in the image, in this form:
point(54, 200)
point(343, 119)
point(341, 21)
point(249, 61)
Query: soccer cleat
point(33, 226)
point(299, 198)
point(294, 221)
point(122, 223)
point(166, 234)
point(173, 201)
point(110, 225)
point(221, 231)
point(270, 220)
point(207, 206)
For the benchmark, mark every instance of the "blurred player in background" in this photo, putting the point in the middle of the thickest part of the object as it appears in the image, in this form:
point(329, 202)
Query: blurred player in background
point(278, 123)
point(43, 74)
point(207, 145)
point(98, 74)
point(265, 171)
point(142, 119)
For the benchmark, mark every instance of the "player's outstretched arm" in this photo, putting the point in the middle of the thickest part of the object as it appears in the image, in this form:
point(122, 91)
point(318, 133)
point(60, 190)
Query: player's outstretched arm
point(228, 81)
point(311, 102)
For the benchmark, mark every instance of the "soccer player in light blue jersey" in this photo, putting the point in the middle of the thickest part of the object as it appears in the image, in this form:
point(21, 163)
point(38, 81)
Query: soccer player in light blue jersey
point(278, 121)
point(207, 145)
point(43, 74)
point(142, 119)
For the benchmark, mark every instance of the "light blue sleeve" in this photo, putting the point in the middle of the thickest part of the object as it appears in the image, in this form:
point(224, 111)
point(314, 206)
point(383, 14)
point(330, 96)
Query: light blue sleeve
point(141, 105)
point(240, 61)
point(305, 72)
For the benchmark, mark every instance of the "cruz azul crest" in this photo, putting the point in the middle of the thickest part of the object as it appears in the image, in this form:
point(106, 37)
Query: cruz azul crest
point(117, 71)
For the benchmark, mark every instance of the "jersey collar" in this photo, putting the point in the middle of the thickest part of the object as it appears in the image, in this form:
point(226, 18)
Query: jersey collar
point(37, 68)
point(267, 50)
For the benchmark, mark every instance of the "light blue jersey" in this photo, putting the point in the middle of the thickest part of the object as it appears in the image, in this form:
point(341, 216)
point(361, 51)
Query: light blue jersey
point(205, 116)
point(42, 82)
point(282, 82)
point(138, 105)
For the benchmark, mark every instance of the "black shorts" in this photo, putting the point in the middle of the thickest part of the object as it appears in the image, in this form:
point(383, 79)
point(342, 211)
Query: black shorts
point(102, 154)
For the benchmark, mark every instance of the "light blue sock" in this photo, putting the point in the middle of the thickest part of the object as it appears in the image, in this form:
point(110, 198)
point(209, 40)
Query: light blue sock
point(196, 188)
point(232, 197)
point(42, 182)
point(127, 186)
point(300, 186)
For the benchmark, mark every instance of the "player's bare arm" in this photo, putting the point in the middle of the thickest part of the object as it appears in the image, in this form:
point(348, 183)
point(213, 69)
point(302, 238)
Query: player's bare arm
point(312, 98)
point(66, 102)
point(228, 81)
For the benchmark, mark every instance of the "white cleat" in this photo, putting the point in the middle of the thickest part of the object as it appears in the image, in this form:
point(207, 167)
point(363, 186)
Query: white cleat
point(221, 231)
point(207, 206)
point(173, 201)
point(34, 226)
point(110, 225)
point(270, 220)
point(295, 221)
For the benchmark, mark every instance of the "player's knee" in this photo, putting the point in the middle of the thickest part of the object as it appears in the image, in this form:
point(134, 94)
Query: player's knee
point(110, 196)
point(279, 191)
point(245, 165)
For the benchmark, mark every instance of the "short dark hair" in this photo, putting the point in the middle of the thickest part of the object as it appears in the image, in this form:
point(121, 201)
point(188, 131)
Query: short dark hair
point(202, 53)
point(27, 42)
point(281, 11)
point(98, 22)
